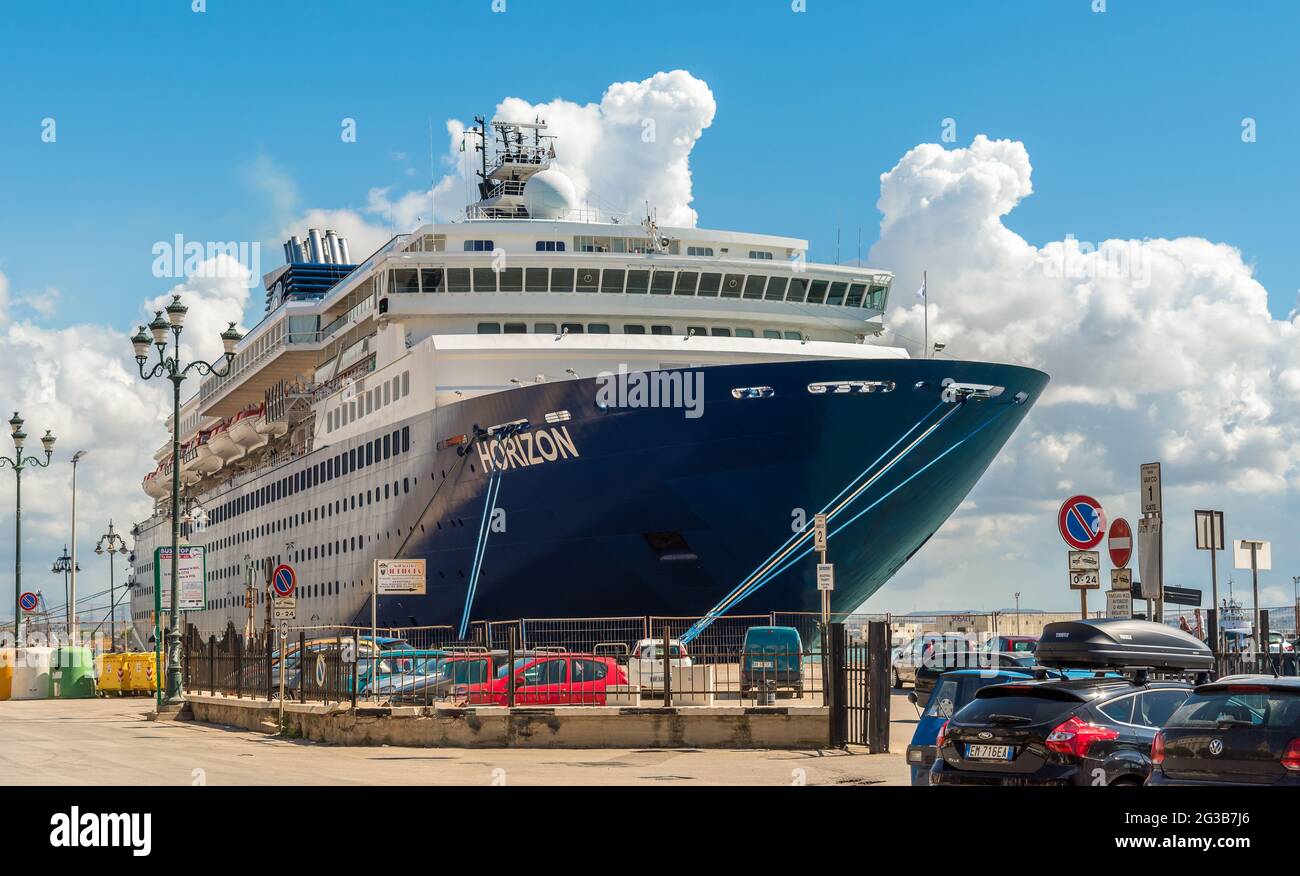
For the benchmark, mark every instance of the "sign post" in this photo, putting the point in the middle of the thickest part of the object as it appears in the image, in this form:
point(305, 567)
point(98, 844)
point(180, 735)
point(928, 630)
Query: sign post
point(819, 544)
point(1209, 537)
point(284, 639)
point(392, 578)
point(1254, 555)
point(1082, 524)
point(1151, 560)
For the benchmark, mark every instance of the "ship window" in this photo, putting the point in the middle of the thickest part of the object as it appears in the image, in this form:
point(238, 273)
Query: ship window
point(709, 284)
point(794, 336)
point(798, 288)
point(588, 279)
point(406, 438)
point(388, 446)
point(612, 280)
point(744, 333)
point(535, 279)
point(512, 279)
point(388, 392)
point(817, 292)
point(562, 279)
point(721, 332)
point(760, 254)
point(406, 382)
point(591, 244)
point(731, 285)
point(573, 328)
point(485, 280)
point(776, 288)
point(385, 491)
point(754, 285)
point(836, 295)
point(661, 330)
point(458, 280)
point(431, 280)
point(544, 328)
point(397, 442)
point(489, 328)
point(856, 292)
point(699, 250)
point(352, 460)
point(662, 284)
point(597, 328)
point(550, 246)
point(406, 280)
point(697, 331)
point(686, 281)
point(637, 282)
point(516, 328)
point(633, 329)
point(876, 297)
point(479, 246)
point(406, 485)
point(772, 333)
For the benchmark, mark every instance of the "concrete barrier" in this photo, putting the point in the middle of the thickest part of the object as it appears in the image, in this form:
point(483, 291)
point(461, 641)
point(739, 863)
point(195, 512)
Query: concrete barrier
point(800, 727)
point(693, 685)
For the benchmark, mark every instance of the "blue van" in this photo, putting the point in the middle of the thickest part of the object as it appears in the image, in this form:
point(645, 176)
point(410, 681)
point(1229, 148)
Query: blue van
point(771, 654)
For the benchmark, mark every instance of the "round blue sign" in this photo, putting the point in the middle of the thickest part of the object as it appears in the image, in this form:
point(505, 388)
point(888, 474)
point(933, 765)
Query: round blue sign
point(284, 581)
point(28, 601)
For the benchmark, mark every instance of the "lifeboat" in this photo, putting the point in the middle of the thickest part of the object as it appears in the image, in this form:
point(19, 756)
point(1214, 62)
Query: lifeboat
point(223, 445)
point(157, 483)
point(271, 429)
point(206, 461)
point(243, 429)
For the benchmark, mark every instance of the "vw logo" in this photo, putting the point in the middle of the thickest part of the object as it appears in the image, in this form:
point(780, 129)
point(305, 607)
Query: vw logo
point(984, 734)
point(1216, 747)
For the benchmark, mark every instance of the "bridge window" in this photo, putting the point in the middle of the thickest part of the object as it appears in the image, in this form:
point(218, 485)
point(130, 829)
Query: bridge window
point(662, 284)
point(836, 295)
point(876, 297)
point(709, 285)
point(485, 280)
point(591, 244)
point(535, 279)
point(776, 288)
point(760, 254)
point(754, 284)
point(562, 279)
point(458, 280)
point(699, 250)
point(612, 281)
point(798, 289)
point(479, 246)
point(405, 280)
point(431, 280)
point(856, 292)
point(638, 282)
point(731, 285)
point(550, 246)
point(512, 279)
point(588, 280)
point(817, 292)
point(686, 282)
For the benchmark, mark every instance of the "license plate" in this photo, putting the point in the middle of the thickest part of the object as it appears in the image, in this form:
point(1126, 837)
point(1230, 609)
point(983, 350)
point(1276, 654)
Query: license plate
point(764, 664)
point(989, 752)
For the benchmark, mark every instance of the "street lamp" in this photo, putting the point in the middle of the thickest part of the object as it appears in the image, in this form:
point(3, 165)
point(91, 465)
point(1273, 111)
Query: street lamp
point(65, 565)
point(18, 462)
point(109, 543)
point(170, 367)
point(74, 630)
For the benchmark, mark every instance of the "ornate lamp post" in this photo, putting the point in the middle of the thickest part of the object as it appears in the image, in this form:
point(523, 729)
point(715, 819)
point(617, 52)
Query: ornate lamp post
point(64, 565)
point(109, 543)
point(18, 462)
point(170, 367)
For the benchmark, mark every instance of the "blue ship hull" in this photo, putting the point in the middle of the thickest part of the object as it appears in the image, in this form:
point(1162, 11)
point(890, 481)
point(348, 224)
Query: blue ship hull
point(657, 513)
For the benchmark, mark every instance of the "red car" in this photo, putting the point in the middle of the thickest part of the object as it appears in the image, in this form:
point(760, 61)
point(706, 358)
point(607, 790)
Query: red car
point(550, 680)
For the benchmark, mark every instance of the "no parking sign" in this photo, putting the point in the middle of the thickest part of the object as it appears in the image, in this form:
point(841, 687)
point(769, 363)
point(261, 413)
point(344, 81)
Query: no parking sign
point(1082, 522)
point(28, 601)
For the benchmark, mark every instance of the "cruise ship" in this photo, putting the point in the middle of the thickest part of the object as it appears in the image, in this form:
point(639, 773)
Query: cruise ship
point(568, 413)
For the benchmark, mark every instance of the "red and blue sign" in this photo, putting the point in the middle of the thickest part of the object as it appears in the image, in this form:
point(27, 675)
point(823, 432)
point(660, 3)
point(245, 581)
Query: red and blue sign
point(28, 601)
point(1082, 522)
point(284, 581)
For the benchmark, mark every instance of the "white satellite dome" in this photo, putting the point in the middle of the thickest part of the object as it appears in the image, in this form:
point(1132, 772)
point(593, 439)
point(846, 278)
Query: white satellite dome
point(549, 194)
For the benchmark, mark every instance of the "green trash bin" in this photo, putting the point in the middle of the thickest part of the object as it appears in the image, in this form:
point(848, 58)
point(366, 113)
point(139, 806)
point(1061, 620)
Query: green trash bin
point(72, 673)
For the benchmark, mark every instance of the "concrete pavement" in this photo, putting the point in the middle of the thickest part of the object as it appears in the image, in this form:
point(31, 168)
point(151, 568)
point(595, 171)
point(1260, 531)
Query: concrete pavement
point(109, 742)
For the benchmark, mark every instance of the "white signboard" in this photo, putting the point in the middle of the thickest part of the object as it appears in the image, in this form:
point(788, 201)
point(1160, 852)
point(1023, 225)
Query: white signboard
point(1263, 554)
point(1149, 558)
point(825, 576)
point(285, 608)
point(191, 571)
point(399, 577)
point(1209, 530)
point(819, 532)
point(1151, 500)
point(1119, 603)
point(1121, 579)
point(1085, 561)
point(1085, 580)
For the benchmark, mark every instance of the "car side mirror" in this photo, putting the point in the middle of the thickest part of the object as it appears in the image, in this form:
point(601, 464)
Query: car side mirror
point(911, 697)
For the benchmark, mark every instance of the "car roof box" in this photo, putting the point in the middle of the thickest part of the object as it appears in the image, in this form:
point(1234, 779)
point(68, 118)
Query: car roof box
point(1119, 643)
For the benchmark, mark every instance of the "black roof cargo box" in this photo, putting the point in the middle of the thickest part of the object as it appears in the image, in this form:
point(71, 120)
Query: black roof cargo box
point(1119, 643)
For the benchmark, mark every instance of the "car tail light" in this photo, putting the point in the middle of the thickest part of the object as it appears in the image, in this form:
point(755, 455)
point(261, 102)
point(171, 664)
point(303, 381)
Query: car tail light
point(1291, 757)
point(1158, 748)
point(1075, 737)
point(943, 732)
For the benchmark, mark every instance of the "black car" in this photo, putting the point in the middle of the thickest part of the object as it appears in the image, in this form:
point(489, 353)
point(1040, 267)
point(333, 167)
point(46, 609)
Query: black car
point(1239, 730)
point(1079, 731)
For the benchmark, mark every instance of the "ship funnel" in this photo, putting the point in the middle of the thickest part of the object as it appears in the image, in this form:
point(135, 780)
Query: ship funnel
point(317, 248)
point(343, 251)
point(332, 246)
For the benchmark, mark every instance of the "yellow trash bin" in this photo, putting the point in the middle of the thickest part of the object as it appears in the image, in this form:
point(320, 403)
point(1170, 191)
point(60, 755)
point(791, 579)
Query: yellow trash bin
point(111, 675)
point(6, 673)
point(141, 674)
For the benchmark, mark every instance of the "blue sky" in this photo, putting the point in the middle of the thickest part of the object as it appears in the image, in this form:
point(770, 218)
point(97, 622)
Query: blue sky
point(1132, 120)
point(1132, 117)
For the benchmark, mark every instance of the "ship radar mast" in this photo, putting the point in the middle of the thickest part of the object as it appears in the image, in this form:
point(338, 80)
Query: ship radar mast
point(516, 181)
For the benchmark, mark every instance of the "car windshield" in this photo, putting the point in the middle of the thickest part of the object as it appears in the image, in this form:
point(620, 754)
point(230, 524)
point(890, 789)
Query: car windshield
point(1263, 708)
point(1037, 709)
point(1029, 645)
point(504, 669)
point(954, 692)
point(656, 652)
